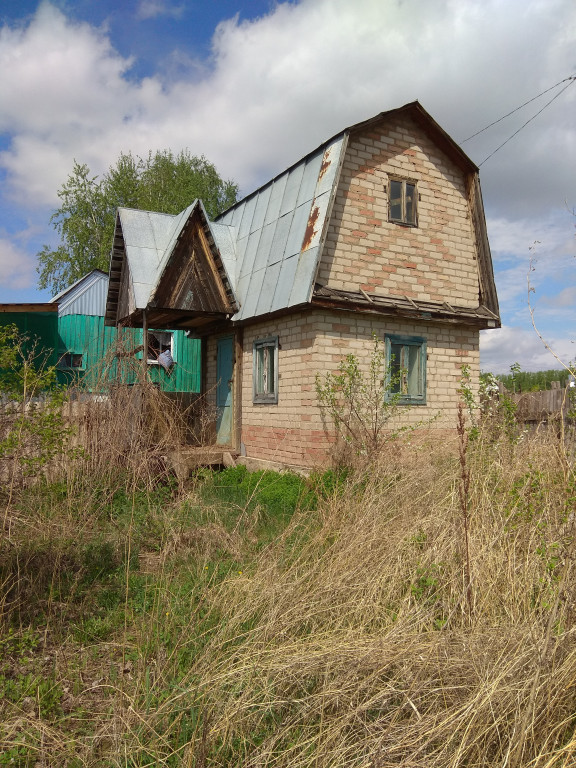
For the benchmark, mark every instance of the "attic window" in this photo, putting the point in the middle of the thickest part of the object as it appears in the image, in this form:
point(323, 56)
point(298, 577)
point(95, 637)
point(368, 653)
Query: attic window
point(402, 202)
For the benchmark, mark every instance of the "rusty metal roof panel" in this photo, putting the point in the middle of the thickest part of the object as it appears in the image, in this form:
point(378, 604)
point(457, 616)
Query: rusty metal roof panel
point(314, 226)
point(309, 179)
point(329, 167)
point(297, 229)
point(275, 226)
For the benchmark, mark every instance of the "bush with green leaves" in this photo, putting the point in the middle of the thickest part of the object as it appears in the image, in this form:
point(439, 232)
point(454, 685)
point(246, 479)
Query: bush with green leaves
point(360, 402)
point(33, 430)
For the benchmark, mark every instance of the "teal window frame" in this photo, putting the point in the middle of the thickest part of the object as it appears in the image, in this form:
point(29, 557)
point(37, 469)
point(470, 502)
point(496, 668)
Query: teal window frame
point(265, 370)
point(406, 358)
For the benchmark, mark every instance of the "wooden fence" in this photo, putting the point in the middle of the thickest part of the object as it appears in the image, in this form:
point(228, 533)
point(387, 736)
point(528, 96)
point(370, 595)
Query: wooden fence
point(546, 405)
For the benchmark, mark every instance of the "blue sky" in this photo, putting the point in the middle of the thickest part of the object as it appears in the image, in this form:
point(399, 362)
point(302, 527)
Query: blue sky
point(254, 85)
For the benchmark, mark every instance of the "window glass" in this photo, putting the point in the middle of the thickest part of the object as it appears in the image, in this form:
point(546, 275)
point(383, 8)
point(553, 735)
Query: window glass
point(402, 202)
point(71, 360)
point(159, 342)
point(406, 356)
point(410, 203)
point(396, 200)
point(265, 373)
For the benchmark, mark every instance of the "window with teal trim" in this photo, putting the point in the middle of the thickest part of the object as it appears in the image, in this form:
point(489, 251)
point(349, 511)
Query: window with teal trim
point(406, 357)
point(265, 370)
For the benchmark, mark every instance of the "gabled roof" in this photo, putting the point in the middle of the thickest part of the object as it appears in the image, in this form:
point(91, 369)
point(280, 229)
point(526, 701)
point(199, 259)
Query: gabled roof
point(268, 246)
point(144, 245)
point(86, 296)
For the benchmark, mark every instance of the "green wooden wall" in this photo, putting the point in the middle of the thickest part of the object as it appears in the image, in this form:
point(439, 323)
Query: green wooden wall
point(99, 345)
point(40, 330)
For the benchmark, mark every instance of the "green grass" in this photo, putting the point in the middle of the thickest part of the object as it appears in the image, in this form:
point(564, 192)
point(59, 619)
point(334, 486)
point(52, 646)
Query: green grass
point(270, 619)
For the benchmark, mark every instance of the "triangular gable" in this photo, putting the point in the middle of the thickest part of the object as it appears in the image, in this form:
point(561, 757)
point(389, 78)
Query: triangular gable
point(149, 249)
point(192, 277)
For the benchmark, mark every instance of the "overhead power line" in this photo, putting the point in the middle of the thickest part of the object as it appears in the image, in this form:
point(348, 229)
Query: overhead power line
point(568, 80)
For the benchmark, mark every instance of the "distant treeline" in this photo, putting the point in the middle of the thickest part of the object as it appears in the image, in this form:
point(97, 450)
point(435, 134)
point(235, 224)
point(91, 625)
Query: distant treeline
point(532, 381)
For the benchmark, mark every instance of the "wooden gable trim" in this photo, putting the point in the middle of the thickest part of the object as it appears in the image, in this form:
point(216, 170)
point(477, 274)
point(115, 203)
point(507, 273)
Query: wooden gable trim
point(193, 279)
point(487, 294)
point(117, 264)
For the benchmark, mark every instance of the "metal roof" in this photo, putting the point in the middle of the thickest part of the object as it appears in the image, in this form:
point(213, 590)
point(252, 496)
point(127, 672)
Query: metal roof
point(270, 242)
point(277, 234)
point(147, 236)
point(86, 296)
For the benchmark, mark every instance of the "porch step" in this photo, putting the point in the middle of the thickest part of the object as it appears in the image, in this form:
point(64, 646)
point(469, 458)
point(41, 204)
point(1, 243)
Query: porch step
point(184, 459)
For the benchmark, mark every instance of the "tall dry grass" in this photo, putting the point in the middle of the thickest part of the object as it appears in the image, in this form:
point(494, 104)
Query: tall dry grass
point(421, 614)
point(355, 646)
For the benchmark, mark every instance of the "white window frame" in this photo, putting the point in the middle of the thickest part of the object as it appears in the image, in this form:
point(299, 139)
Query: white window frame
point(403, 218)
point(406, 358)
point(265, 382)
point(163, 337)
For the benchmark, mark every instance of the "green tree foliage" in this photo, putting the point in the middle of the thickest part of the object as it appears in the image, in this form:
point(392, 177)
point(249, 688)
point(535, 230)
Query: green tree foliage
point(532, 381)
point(162, 182)
point(33, 430)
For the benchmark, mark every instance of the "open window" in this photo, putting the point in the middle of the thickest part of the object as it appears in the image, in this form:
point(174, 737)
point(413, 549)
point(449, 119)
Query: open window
point(160, 348)
point(71, 361)
point(402, 207)
point(406, 358)
point(265, 370)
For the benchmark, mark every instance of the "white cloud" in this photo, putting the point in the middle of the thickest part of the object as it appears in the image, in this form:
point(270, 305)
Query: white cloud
point(277, 88)
point(501, 347)
point(150, 9)
point(17, 268)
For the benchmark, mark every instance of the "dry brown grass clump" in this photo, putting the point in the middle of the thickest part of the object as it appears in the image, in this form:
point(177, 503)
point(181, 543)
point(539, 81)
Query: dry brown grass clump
point(420, 613)
point(357, 646)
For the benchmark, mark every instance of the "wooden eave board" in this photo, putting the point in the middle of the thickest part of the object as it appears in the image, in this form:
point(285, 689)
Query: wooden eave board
point(36, 307)
point(356, 302)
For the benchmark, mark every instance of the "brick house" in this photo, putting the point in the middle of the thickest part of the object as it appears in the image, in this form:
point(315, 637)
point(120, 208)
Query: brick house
point(379, 230)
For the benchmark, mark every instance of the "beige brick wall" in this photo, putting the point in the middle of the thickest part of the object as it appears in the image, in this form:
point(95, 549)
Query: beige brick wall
point(292, 431)
point(435, 261)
